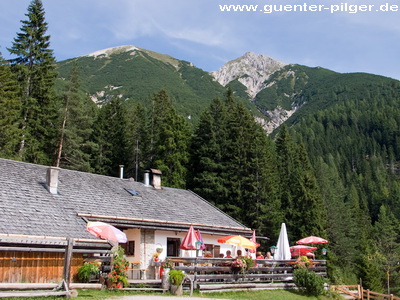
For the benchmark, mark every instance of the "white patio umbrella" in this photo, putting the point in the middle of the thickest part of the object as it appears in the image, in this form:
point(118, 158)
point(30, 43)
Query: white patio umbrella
point(283, 249)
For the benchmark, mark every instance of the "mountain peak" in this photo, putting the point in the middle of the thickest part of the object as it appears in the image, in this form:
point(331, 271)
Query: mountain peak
point(107, 52)
point(251, 70)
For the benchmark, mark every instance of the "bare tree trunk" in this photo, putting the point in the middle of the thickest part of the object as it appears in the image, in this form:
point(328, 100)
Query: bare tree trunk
point(62, 134)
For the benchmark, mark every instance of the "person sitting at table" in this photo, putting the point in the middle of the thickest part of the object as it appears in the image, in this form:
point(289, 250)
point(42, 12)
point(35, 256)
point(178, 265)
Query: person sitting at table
point(239, 253)
point(228, 254)
point(268, 255)
point(259, 255)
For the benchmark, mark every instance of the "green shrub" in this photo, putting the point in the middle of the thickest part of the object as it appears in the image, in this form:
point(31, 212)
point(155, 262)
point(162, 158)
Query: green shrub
point(308, 282)
point(88, 270)
point(118, 275)
point(176, 277)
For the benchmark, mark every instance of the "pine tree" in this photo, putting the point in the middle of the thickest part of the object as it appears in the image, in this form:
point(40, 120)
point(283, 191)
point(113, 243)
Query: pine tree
point(208, 154)
point(308, 204)
point(233, 165)
point(110, 136)
point(34, 67)
point(169, 144)
point(138, 142)
point(285, 165)
point(387, 237)
point(78, 118)
point(9, 113)
point(300, 197)
point(342, 236)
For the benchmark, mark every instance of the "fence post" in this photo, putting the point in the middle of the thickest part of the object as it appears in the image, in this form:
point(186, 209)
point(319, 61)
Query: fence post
point(67, 262)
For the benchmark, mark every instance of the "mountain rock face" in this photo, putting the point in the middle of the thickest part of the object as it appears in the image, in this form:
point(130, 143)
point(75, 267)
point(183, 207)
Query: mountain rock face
point(252, 70)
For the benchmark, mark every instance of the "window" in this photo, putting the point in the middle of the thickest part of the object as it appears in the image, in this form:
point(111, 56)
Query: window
point(129, 248)
point(217, 250)
point(173, 246)
point(213, 249)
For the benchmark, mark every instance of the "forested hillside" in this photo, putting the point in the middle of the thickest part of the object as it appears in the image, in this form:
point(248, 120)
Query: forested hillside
point(136, 74)
point(332, 169)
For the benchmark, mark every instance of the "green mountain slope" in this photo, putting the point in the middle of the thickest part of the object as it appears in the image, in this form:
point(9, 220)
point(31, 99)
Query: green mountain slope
point(305, 91)
point(138, 74)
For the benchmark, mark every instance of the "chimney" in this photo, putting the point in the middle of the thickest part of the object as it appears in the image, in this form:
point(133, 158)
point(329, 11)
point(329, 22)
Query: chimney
point(146, 178)
point(52, 179)
point(156, 178)
point(121, 171)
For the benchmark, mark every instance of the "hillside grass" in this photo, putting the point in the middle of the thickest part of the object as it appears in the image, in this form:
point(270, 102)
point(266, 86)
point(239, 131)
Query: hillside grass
point(248, 295)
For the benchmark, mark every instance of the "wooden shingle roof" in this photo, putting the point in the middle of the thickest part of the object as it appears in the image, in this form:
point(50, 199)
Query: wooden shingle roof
point(28, 208)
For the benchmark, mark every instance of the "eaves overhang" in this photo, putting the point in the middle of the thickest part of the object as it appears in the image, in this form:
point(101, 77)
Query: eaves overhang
point(125, 223)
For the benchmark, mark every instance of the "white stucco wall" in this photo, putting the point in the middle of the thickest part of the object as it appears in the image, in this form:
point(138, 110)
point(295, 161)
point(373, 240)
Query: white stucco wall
point(134, 235)
point(161, 239)
point(146, 244)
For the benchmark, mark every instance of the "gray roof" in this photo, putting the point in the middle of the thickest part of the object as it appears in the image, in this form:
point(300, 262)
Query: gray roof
point(28, 208)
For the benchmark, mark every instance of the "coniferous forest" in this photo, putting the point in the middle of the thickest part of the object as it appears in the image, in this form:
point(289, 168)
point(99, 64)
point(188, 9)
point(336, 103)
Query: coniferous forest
point(332, 172)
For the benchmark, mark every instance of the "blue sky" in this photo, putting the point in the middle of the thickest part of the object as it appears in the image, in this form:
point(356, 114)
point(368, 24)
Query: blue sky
point(199, 32)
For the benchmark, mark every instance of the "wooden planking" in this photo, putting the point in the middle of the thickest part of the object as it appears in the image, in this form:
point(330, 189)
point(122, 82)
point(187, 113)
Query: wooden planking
point(36, 267)
point(27, 286)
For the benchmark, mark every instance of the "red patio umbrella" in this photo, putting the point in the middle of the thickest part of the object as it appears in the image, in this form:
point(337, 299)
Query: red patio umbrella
point(106, 231)
point(189, 241)
point(311, 240)
point(301, 250)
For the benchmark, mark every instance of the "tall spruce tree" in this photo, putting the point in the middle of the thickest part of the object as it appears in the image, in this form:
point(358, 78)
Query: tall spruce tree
point(342, 236)
point(233, 165)
point(285, 162)
point(138, 142)
point(300, 197)
point(208, 154)
point(169, 143)
point(387, 237)
point(34, 66)
point(9, 113)
point(77, 120)
point(110, 135)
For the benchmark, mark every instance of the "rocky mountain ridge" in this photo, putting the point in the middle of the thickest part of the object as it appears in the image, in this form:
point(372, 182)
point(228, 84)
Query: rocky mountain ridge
point(252, 70)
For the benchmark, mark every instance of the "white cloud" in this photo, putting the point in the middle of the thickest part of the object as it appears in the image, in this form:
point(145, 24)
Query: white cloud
point(193, 21)
point(188, 29)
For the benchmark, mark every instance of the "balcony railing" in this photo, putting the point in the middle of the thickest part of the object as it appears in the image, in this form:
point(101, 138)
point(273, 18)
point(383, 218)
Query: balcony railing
point(203, 270)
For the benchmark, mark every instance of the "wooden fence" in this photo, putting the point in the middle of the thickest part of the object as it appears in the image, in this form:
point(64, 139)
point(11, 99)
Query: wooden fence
point(35, 267)
point(358, 292)
point(216, 274)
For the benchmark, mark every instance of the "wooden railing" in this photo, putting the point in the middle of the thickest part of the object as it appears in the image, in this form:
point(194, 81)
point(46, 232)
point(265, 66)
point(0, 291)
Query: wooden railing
point(367, 294)
point(358, 292)
point(205, 271)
